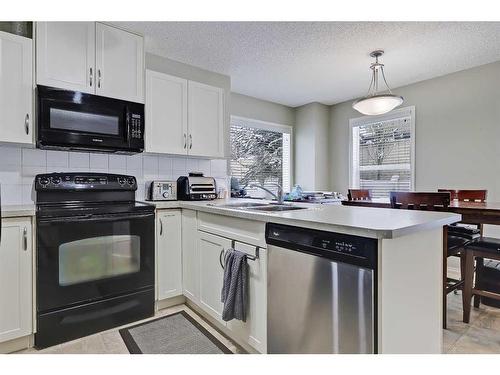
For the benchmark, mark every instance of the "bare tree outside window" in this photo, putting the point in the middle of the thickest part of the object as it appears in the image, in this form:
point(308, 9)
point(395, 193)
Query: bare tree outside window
point(257, 156)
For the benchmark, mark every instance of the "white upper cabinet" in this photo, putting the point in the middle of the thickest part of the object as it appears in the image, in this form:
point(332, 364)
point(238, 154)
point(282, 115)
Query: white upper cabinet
point(119, 64)
point(169, 254)
point(90, 57)
point(16, 89)
point(205, 120)
point(65, 55)
point(16, 282)
point(166, 113)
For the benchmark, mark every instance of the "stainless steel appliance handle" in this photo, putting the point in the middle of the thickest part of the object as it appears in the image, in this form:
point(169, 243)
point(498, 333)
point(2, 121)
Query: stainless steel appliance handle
point(27, 123)
point(90, 76)
point(161, 227)
point(99, 218)
point(185, 140)
point(25, 239)
point(190, 141)
point(99, 78)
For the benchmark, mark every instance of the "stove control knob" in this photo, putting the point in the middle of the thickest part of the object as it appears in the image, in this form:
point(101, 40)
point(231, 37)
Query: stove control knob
point(130, 180)
point(121, 180)
point(56, 180)
point(165, 194)
point(44, 181)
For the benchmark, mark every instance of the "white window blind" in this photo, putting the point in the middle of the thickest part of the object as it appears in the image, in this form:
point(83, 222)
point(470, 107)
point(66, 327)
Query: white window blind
point(382, 152)
point(260, 154)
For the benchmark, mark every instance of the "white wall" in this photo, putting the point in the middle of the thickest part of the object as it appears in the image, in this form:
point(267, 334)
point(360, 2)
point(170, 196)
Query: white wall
point(257, 109)
point(457, 127)
point(311, 147)
point(19, 166)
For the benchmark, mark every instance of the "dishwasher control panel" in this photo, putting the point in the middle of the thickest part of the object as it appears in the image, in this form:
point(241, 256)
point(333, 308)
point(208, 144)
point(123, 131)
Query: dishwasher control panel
point(346, 248)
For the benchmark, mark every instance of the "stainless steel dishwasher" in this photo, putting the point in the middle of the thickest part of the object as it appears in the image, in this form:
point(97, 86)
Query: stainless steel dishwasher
point(321, 291)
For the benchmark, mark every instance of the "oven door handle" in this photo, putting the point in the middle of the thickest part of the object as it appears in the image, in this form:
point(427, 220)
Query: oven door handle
point(99, 218)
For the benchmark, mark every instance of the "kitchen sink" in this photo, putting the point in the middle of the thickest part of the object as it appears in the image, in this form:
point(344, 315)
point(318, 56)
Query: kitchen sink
point(276, 208)
point(244, 205)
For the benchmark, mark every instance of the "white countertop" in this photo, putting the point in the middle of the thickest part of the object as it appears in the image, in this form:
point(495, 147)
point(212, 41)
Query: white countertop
point(362, 221)
point(18, 210)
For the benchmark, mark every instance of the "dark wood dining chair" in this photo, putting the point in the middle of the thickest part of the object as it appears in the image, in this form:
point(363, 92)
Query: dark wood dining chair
point(472, 229)
point(359, 195)
point(453, 245)
point(486, 247)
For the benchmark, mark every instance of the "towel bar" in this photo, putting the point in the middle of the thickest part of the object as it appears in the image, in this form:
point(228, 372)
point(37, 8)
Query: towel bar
point(222, 256)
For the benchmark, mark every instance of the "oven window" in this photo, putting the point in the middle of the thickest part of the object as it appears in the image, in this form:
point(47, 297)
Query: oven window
point(98, 258)
point(84, 122)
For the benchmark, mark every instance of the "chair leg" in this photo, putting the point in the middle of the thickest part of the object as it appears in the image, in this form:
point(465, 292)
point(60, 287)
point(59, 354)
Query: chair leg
point(467, 291)
point(479, 265)
point(445, 275)
point(462, 266)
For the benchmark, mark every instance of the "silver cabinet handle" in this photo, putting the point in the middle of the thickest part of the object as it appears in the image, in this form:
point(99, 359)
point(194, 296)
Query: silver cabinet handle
point(185, 140)
point(25, 239)
point(91, 76)
point(220, 258)
point(190, 141)
point(99, 78)
point(161, 227)
point(27, 123)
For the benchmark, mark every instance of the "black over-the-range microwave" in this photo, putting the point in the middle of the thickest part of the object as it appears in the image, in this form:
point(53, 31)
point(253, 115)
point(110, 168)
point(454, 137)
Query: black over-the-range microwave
point(72, 120)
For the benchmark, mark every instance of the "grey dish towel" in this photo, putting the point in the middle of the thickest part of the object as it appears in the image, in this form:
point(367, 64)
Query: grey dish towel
point(235, 286)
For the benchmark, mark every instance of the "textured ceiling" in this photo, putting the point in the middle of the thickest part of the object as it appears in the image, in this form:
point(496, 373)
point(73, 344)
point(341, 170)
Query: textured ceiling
point(295, 63)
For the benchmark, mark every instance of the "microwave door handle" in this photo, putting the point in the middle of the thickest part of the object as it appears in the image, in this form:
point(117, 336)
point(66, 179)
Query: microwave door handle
point(127, 121)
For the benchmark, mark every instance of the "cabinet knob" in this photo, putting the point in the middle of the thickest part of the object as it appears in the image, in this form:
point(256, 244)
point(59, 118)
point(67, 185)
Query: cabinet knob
point(185, 140)
point(190, 141)
point(27, 124)
point(161, 227)
point(99, 78)
point(90, 77)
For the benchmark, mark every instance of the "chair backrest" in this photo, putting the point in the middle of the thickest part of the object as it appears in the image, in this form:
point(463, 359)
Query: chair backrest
point(420, 201)
point(359, 195)
point(467, 195)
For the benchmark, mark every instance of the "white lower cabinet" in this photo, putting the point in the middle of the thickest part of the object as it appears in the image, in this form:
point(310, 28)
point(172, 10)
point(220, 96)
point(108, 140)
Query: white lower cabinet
point(16, 282)
point(169, 254)
point(254, 330)
point(212, 250)
point(190, 256)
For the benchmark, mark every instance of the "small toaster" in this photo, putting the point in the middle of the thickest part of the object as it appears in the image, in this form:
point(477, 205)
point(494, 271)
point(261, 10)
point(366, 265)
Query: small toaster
point(163, 191)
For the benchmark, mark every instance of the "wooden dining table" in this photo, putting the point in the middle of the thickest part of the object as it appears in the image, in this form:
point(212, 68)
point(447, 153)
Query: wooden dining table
point(478, 213)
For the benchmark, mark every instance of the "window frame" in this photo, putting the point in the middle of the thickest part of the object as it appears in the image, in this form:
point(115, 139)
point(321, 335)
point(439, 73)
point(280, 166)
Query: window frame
point(394, 114)
point(265, 125)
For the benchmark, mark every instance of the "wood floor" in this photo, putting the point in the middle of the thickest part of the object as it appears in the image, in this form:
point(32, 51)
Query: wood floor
point(482, 335)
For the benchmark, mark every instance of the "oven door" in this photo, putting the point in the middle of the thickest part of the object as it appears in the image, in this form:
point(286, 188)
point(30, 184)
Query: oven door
point(75, 120)
point(83, 259)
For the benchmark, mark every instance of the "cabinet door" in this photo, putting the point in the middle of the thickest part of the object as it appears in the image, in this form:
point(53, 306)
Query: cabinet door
point(205, 120)
point(65, 55)
point(119, 64)
point(211, 249)
point(254, 330)
point(190, 256)
point(16, 299)
point(16, 92)
point(166, 113)
point(169, 254)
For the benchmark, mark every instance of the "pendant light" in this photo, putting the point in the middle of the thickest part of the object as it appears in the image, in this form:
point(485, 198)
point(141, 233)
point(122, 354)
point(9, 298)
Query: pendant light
point(375, 103)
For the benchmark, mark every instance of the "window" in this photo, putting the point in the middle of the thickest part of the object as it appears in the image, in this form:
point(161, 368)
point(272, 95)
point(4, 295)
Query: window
point(382, 152)
point(260, 154)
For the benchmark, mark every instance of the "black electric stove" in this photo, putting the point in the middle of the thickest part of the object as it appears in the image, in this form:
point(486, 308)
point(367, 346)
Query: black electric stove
point(95, 255)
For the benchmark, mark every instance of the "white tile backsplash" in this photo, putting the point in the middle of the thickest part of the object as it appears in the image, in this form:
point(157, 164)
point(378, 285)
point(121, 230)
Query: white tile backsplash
point(19, 166)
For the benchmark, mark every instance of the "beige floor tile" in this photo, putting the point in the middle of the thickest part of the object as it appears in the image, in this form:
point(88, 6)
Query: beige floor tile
point(478, 341)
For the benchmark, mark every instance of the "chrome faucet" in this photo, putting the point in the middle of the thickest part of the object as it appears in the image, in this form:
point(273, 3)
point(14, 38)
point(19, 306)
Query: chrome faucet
point(278, 196)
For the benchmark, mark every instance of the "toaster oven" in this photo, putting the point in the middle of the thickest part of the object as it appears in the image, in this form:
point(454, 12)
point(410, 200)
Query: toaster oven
point(196, 187)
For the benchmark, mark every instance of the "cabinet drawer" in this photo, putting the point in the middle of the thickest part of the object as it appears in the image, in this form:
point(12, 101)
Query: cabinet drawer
point(248, 231)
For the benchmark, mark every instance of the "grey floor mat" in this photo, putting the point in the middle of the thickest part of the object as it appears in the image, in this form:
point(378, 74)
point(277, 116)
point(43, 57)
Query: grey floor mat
point(173, 334)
